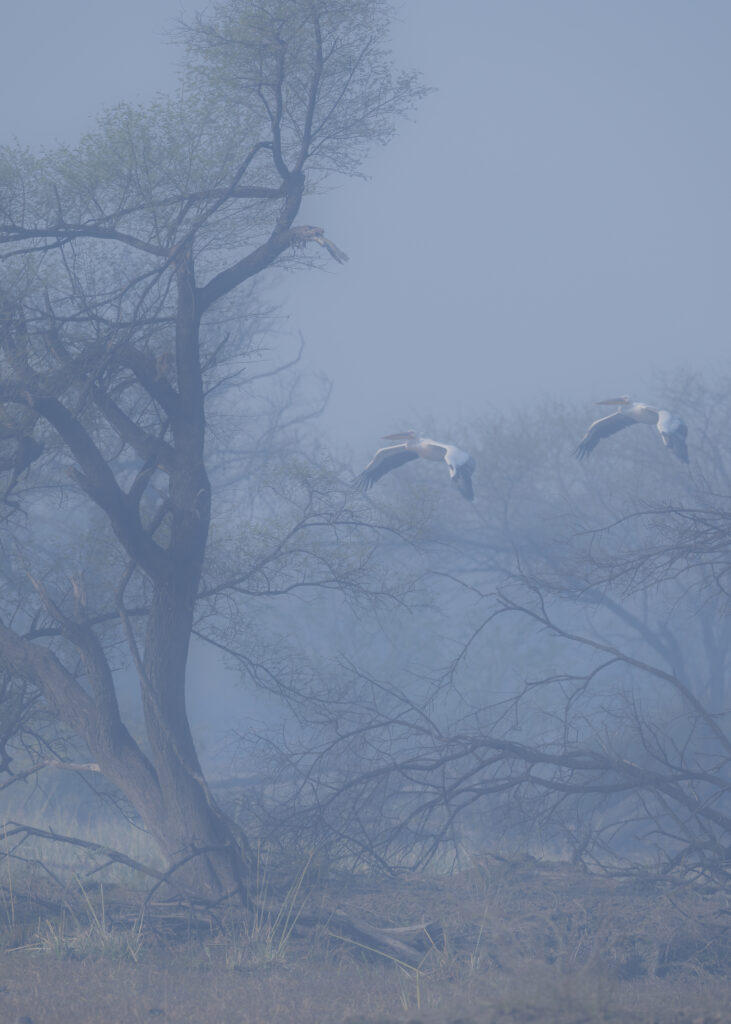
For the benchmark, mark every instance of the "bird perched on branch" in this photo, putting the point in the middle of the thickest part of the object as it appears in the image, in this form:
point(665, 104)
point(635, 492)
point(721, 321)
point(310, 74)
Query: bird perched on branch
point(307, 233)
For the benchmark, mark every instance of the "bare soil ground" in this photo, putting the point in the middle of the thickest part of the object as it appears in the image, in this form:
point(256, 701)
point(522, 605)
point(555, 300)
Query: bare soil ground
point(518, 941)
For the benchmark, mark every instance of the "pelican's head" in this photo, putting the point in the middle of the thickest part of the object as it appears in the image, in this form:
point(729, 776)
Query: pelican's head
point(622, 400)
point(406, 435)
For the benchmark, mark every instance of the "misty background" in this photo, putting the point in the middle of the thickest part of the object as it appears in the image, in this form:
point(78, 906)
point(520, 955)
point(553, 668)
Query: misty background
point(556, 221)
point(554, 224)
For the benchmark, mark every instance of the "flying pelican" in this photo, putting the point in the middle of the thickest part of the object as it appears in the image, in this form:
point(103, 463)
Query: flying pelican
point(461, 466)
point(671, 428)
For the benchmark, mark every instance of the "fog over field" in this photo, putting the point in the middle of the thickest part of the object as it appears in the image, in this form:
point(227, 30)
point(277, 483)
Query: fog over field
point(276, 678)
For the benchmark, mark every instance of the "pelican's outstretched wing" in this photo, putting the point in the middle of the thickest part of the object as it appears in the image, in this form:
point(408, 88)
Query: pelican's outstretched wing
point(677, 444)
point(463, 479)
point(461, 466)
point(674, 434)
point(600, 429)
point(383, 462)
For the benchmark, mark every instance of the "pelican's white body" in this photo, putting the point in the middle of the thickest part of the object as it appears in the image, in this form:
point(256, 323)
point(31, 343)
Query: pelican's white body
point(640, 412)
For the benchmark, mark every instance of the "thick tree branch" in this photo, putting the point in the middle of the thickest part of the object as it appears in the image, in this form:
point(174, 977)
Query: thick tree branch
point(146, 445)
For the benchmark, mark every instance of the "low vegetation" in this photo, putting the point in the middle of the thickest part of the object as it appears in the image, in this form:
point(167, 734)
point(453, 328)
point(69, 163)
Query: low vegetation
point(518, 939)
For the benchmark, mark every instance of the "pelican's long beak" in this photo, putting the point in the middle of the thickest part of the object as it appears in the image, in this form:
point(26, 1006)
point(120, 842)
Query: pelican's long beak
point(622, 400)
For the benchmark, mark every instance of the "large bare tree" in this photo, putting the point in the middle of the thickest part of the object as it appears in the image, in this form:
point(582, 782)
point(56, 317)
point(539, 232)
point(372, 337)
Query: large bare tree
point(127, 265)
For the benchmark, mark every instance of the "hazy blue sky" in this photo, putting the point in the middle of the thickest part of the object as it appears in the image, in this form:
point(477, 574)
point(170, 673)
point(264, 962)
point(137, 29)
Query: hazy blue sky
point(555, 222)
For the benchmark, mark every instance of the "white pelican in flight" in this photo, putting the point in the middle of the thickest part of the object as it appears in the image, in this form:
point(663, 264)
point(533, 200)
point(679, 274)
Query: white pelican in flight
point(461, 466)
point(671, 428)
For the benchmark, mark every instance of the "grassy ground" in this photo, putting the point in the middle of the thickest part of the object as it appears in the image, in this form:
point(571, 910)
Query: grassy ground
point(519, 941)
